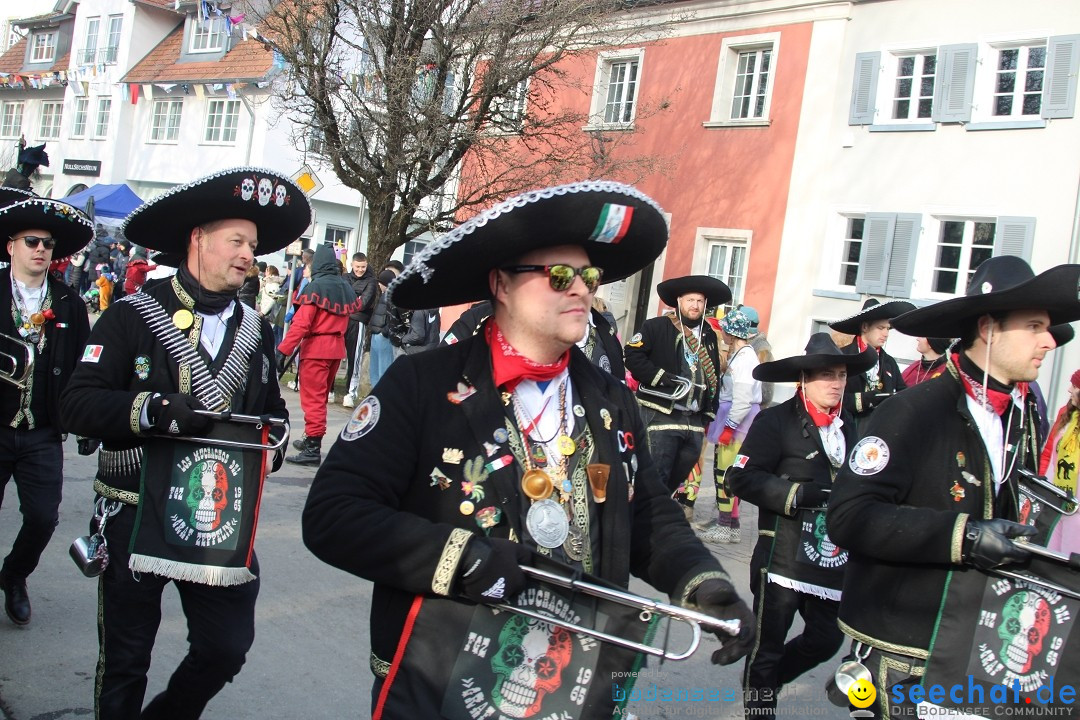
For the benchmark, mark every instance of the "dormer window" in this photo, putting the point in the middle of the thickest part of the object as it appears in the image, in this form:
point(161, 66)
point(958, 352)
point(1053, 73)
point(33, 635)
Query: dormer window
point(43, 46)
point(207, 35)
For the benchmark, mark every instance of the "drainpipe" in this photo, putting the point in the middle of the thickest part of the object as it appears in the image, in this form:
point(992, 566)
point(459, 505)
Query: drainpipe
point(1059, 357)
point(251, 127)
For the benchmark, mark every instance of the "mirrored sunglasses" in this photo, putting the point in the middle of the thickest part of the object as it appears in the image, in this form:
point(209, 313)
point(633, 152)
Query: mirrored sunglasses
point(561, 277)
point(32, 241)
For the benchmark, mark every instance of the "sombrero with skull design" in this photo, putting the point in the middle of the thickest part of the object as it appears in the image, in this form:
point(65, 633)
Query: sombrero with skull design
point(267, 198)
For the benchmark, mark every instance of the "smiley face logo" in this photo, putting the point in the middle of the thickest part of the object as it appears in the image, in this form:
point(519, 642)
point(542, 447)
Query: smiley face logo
point(862, 693)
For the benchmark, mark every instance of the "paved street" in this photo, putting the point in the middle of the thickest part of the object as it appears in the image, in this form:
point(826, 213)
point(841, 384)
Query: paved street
point(310, 658)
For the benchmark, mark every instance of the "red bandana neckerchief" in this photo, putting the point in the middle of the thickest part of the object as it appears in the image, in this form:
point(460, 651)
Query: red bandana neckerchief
point(821, 419)
point(996, 399)
point(509, 367)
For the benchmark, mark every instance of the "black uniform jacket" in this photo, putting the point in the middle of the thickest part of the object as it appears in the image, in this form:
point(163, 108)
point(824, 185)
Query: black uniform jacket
point(783, 449)
point(104, 397)
point(65, 336)
point(656, 352)
point(896, 506)
point(377, 510)
point(858, 386)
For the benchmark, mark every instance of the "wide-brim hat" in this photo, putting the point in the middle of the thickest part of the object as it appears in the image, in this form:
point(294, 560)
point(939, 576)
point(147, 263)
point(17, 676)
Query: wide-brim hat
point(716, 292)
point(1062, 334)
point(69, 225)
point(872, 310)
point(10, 196)
point(621, 229)
point(999, 284)
point(272, 201)
point(821, 352)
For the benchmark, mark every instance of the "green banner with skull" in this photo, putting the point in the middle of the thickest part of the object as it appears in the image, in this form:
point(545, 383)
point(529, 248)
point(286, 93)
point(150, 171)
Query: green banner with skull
point(198, 506)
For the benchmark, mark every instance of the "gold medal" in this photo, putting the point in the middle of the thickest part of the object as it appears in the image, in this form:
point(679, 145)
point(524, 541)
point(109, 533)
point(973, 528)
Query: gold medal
point(537, 485)
point(565, 445)
point(37, 319)
point(183, 318)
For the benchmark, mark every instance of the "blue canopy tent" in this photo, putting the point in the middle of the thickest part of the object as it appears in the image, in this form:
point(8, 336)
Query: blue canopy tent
point(110, 201)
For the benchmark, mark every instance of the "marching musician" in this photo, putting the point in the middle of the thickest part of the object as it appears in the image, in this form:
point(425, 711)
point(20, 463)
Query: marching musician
point(50, 320)
point(467, 460)
point(933, 485)
point(678, 345)
point(153, 360)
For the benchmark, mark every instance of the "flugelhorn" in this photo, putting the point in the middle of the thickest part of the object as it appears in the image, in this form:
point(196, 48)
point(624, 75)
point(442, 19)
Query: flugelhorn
point(681, 389)
point(257, 420)
point(13, 375)
point(648, 608)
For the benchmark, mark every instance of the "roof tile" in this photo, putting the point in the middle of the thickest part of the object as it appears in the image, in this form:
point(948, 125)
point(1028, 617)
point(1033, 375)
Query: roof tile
point(247, 60)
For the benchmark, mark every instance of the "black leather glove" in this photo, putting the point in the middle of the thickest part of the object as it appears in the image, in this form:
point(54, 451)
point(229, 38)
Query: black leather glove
point(811, 495)
point(282, 362)
point(667, 380)
point(279, 454)
point(718, 598)
point(489, 569)
point(987, 543)
point(175, 414)
point(87, 446)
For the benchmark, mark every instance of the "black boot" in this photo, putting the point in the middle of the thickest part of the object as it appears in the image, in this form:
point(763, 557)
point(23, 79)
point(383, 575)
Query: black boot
point(16, 600)
point(300, 443)
point(310, 455)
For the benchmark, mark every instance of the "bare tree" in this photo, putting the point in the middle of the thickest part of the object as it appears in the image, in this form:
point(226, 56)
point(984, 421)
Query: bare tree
point(394, 94)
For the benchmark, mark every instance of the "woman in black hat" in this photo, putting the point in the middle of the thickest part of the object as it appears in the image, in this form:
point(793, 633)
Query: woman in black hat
point(870, 326)
point(786, 466)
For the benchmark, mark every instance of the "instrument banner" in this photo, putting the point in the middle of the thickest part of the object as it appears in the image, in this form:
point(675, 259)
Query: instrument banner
point(1007, 641)
point(199, 505)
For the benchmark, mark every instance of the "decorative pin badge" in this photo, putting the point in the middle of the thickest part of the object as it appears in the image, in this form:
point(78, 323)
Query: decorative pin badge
point(439, 478)
point(506, 398)
point(957, 492)
point(452, 456)
point(579, 411)
point(490, 448)
point(961, 461)
point(971, 478)
point(466, 507)
point(565, 444)
point(598, 479)
point(142, 367)
point(538, 455)
point(606, 417)
point(475, 475)
point(488, 517)
point(501, 435)
point(183, 318)
point(463, 391)
point(499, 463)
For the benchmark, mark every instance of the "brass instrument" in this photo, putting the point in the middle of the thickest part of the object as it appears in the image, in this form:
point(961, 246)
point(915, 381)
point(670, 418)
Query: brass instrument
point(14, 375)
point(648, 607)
point(681, 390)
point(1070, 505)
point(257, 420)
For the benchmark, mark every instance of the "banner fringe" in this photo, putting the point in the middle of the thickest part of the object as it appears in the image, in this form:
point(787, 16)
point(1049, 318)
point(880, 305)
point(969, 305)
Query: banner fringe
point(815, 590)
point(190, 572)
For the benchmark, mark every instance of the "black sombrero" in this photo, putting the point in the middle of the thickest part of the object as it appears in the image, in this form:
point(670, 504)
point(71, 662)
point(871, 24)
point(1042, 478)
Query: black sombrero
point(821, 352)
point(10, 196)
point(999, 284)
point(272, 201)
point(872, 310)
point(1062, 333)
point(715, 291)
point(621, 229)
point(69, 225)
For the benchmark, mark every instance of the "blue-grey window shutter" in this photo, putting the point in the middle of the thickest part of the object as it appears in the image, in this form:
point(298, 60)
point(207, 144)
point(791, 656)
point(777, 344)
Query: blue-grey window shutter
point(954, 88)
point(1014, 236)
point(864, 88)
point(1059, 87)
point(873, 274)
point(905, 243)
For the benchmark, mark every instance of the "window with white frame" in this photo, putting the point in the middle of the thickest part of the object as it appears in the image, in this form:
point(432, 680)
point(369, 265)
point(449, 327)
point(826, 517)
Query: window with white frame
point(112, 46)
point(222, 118)
point(962, 246)
point(51, 114)
point(43, 46)
point(727, 263)
point(410, 249)
point(508, 111)
point(104, 110)
point(207, 35)
point(887, 248)
point(615, 92)
point(11, 119)
point(744, 79)
point(851, 251)
point(913, 91)
point(337, 237)
point(165, 120)
point(89, 51)
point(1018, 81)
point(78, 123)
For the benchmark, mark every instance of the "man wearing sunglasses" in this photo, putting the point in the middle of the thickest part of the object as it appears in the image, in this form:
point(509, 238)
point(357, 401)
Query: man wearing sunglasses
point(45, 321)
point(508, 448)
point(672, 351)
